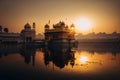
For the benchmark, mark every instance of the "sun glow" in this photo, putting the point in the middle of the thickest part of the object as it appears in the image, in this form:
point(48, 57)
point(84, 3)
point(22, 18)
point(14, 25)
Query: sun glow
point(83, 24)
point(83, 59)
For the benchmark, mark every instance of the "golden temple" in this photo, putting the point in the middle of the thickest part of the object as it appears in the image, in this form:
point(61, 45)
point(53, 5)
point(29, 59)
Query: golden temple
point(60, 31)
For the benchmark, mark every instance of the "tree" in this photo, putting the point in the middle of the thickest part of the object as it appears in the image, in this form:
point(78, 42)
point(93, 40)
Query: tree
point(6, 30)
point(0, 28)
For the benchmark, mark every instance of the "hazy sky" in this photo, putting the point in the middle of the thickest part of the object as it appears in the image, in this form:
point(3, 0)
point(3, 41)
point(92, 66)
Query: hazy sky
point(104, 14)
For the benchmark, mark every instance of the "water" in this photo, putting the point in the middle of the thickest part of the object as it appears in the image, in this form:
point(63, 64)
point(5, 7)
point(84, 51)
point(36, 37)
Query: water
point(61, 62)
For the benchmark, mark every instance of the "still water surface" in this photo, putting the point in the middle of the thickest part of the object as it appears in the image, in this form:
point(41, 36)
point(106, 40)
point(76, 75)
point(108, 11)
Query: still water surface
point(85, 62)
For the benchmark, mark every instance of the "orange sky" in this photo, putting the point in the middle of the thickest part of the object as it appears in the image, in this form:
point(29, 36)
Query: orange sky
point(104, 14)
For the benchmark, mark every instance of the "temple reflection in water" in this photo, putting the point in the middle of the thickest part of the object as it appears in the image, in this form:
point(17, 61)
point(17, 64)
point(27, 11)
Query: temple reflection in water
point(60, 56)
point(28, 53)
point(87, 61)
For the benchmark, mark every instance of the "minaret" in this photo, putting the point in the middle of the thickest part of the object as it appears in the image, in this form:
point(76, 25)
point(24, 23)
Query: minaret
point(34, 25)
point(34, 31)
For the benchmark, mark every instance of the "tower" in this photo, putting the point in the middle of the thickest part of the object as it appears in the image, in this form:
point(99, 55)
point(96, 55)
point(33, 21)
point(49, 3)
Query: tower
point(34, 25)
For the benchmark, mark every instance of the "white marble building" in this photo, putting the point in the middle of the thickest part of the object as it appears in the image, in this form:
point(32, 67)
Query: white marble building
point(28, 34)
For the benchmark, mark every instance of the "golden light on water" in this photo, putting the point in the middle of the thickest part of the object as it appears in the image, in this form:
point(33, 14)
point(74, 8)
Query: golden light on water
point(83, 59)
point(85, 63)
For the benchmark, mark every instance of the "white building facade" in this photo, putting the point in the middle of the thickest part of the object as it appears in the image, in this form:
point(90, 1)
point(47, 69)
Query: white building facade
point(28, 34)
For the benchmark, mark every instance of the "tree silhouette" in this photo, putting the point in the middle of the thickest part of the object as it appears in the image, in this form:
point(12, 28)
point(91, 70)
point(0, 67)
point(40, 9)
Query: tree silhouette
point(6, 30)
point(0, 28)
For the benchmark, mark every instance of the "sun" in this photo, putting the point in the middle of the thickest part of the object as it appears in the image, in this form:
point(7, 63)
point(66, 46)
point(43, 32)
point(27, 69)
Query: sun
point(83, 24)
point(83, 59)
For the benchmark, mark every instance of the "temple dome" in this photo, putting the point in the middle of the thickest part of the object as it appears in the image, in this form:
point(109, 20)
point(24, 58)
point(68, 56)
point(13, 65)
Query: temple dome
point(27, 26)
point(47, 26)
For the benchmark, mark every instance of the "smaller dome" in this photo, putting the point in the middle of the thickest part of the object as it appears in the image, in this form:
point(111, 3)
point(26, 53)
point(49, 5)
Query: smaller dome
point(47, 26)
point(59, 25)
point(27, 26)
point(72, 26)
point(22, 31)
